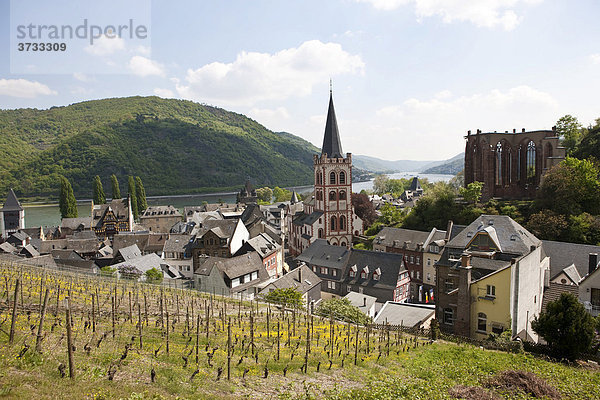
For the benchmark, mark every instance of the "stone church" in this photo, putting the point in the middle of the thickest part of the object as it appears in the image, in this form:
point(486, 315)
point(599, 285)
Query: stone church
point(511, 165)
point(329, 213)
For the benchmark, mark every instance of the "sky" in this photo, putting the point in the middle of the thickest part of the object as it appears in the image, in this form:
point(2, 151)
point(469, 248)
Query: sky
point(410, 77)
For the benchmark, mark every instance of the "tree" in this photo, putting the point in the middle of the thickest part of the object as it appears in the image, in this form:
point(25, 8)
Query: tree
point(99, 197)
point(342, 309)
point(67, 202)
point(281, 194)
point(142, 204)
point(363, 207)
point(547, 225)
point(153, 275)
point(589, 146)
point(571, 131)
point(132, 197)
point(288, 297)
point(265, 194)
point(380, 184)
point(116, 192)
point(434, 209)
point(472, 193)
point(566, 326)
point(571, 187)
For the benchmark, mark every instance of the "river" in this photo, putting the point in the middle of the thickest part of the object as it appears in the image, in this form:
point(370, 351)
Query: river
point(49, 214)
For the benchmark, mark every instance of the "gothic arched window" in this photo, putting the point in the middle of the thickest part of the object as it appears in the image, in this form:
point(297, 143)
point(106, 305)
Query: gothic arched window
point(530, 164)
point(342, 195)
point(320, 233)
point(332, 178)
point(342, 178)
point(333, 223)
point(332, 195)
point(342, 223)
point(499, 163)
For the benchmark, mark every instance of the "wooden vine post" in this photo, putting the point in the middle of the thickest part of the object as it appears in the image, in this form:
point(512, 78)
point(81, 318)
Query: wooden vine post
point(229, 349)
point(38, 339)
point(11, 336)
point(140, 322)
point(70, 340)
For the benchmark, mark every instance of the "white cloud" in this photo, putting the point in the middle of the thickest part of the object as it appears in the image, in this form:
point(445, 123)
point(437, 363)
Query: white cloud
point(143, 50)
point(482, 13)
point(274, 119)
point(164, 93)
point(255, 77)
point(23, 88)
point(434, 128)
point(81, 77)
point(595, 58)
point(105, 46)
point(143, 66)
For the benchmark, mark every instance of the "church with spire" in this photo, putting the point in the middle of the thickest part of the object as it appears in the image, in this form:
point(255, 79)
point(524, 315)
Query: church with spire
point(329, 213)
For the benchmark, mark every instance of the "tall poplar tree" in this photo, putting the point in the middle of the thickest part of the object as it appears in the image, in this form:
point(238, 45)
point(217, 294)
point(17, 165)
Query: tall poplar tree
point(99, 197)
point(67, 202)
point(116, 192)
point(142, 204)
point(133, 197)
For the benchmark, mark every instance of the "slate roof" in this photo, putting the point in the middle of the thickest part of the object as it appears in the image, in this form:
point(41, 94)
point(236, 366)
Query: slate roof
point(555, 290)
point(83, 245)
point(34, 233)
point(390, 265)
point(235, 267)
point(76, 223)
point(30, 251)
point(401, 238)
point(120, 208)
point(409, 315)
point(294, 198)
point(321, 254)
point(7, 247)
point(149, 261)
point(332, 145)
point(40, 261)
point(302, 218)
point(20, 235)
point(513, 238)
point(302, 279)
point(183, 227)
point(361, 301)
point(156, 242)
point(12, 203)
point(177, 243)
point(47, 246)
point(84, 235)
point(160, 212)
point(564, 254)
point(224, 229)
point(128, 239)
point(65, 254)
point(129, 252)
point(415, 185)
point(263, 244)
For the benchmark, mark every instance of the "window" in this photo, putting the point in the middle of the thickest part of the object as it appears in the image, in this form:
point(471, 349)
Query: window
point(364, 273)
point(412, 259)
point(342, 223)
point(449, 285)
point(428, 277)
point(320, 233)
point(376, 274)
point(353, 270)
point(448, 316)
point(530, 162)
point(418, 275)
point(498, 163)
point(334, 272)
point(491, 291)
point(332, 178)
point(331, 285)
point(333, 223)
point(332, 195)
point(429, 261)
point(481, 322)
point(235, 282)
point(324, 270)
point(254, 275)
point(348, 288)
point(418, 259)
point(314, 268)
point(342, 195)
point(342, 177)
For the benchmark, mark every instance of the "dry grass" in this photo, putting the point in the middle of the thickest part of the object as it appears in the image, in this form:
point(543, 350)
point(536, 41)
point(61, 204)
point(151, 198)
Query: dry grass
point(523, 381)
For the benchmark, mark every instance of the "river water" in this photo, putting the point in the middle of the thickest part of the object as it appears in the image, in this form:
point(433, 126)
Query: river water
point(49, 214)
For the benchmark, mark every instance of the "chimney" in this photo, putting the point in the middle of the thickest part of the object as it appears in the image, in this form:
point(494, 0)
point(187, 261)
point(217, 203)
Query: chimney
point(468, 133)
point(300, 274)
point(593, 262)
point(449, 230)
point(364, 301)
point(514, 130)
point(523, 130)
point(465, 260)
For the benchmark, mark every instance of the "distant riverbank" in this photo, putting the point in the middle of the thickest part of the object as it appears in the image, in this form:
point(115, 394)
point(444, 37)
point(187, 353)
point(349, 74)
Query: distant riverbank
point(48, 214)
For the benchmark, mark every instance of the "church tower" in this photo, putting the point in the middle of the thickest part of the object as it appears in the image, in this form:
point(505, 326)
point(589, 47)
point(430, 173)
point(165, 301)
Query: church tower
point(333, 185)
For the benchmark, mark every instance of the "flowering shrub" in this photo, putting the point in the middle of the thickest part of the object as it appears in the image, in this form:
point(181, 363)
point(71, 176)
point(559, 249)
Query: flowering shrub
point(129, 272)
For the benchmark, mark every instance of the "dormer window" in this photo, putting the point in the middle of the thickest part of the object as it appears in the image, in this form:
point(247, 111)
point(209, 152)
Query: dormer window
point(376, 274)
point(353, 271)
point(364, 273)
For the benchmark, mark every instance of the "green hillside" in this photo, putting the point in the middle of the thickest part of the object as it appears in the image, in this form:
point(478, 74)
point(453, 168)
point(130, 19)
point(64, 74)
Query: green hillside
point(175, 146)
point(451, 166)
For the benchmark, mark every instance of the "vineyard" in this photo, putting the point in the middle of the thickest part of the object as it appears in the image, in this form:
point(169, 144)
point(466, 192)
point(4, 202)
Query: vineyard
point(69, 336)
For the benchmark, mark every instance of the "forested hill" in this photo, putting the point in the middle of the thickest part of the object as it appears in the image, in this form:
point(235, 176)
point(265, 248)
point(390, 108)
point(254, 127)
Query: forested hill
point(175, 146)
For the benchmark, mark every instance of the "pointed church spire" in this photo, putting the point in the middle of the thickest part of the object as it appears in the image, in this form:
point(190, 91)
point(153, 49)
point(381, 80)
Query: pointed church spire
point(332, 145)
point(12, 203)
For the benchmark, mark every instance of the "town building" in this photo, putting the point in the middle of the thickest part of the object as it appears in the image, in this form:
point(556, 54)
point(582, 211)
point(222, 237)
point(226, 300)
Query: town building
point(342, 270)
point(270, 252)
point(491, 278)
point(415, 316)
point(511, 165)
point(177, 252)
point(364, 302)
point(239, 276)
point(247, 194)
point(329, 213)
point(12, 215)
point(219, 238)
point(160, 218)
point(112, 218)
point(301, 279)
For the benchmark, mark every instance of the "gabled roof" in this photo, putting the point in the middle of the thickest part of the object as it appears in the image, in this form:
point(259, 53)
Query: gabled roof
point(161, 212)
point(7, 248)
point(263, 245)
point(362, 301)
point(321, 254)
point(415, 185)
point(129, 252)
point(224, 229)
point(83, 245)
point(65, 254)
point(513, 238)
point(302, 279)
point(47, 246)
point(390, 265)
point(12, 203)
point(76, 223)
point(332, 145)
point(128, 239)
point(149, 261)
point(119, 207)
point(408, 315)
point(564, 254)
point(301, 218)
point(20, 235)
point(402, 238)
point(30, 251)
point(177, 243)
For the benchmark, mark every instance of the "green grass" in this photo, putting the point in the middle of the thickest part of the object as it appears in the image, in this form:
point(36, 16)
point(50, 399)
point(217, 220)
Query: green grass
point(426, 371)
